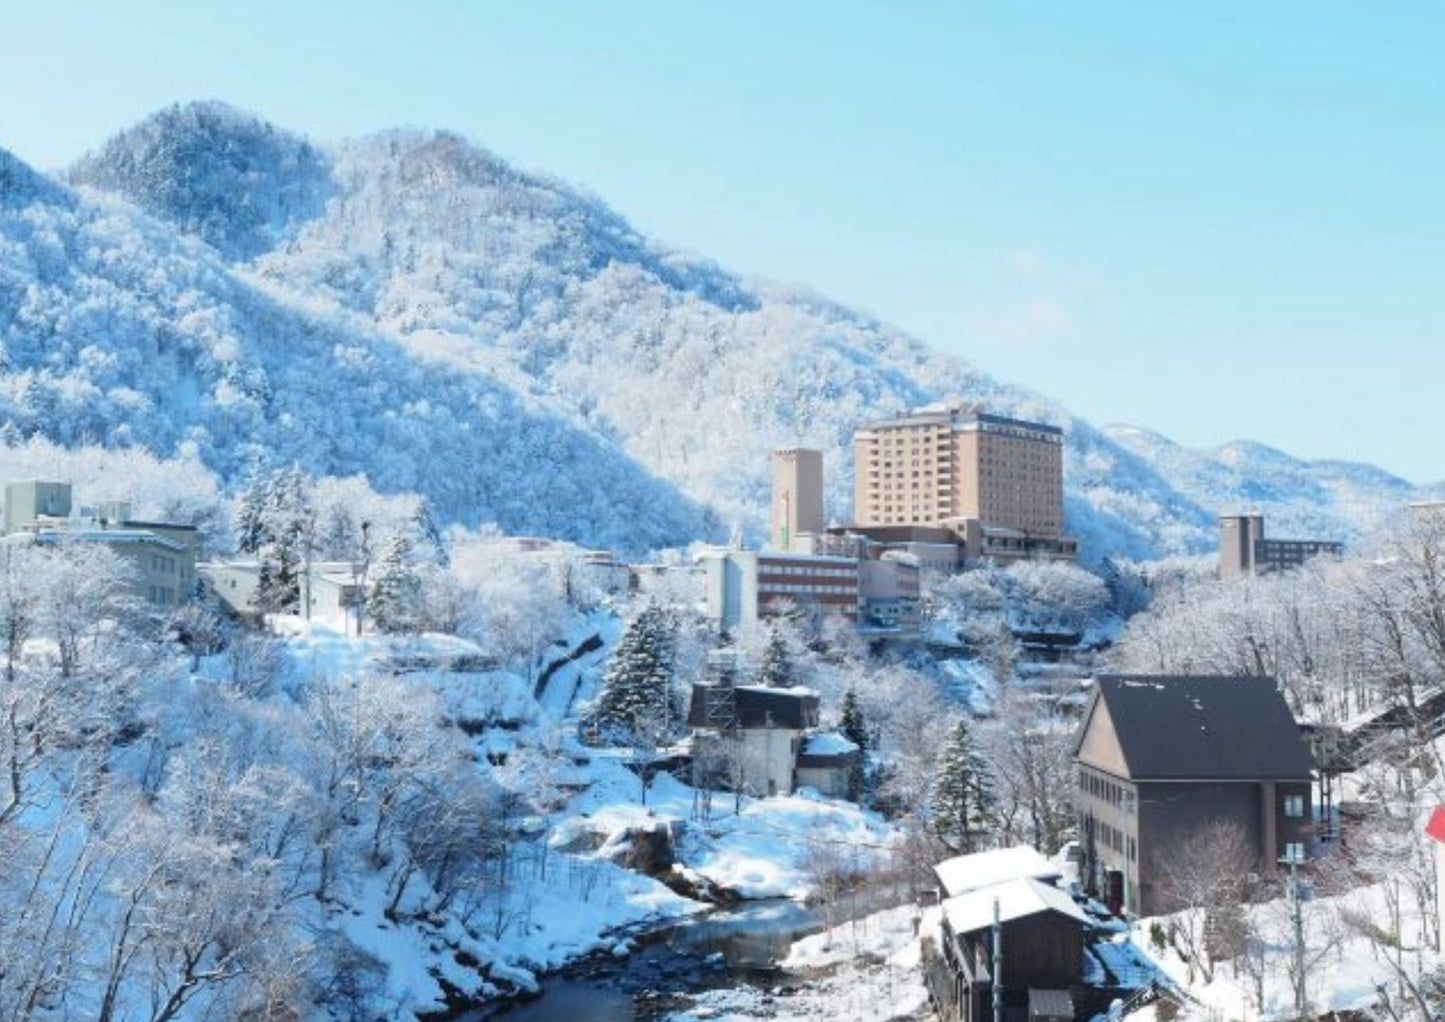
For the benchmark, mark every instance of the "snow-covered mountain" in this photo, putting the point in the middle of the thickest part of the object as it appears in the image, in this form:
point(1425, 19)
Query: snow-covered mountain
point(116, 328)
point(411, 306)
point(1325, 499)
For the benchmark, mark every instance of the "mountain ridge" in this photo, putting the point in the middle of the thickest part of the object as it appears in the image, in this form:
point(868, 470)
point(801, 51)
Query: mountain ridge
point(481, 272)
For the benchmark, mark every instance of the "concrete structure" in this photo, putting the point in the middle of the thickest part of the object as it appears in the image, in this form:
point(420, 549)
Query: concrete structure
point(748, 737)
point(890, 595)
point(932, 548)
point(742, 586)
point(330, 588)
point(1244, 550)
point(797, 495)
point(951, 465)
point(31, 501)
point(1160, 759)
point(161, 556)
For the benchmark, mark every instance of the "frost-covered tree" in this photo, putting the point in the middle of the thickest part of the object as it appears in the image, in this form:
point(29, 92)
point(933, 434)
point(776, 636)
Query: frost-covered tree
point(963, 802)
point(854, 728)
point(777, 669)
point(395, 601)
point(635, 698)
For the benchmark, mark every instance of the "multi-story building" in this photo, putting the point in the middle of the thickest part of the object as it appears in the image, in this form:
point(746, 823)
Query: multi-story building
point(161, 555)
point(797, 495)
point(740, 586)
point(1244, 550)
point(1163, 761)
point(995, 481)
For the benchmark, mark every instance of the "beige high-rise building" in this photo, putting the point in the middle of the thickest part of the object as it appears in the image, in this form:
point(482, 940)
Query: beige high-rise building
point(996, 481)
point(797, 495)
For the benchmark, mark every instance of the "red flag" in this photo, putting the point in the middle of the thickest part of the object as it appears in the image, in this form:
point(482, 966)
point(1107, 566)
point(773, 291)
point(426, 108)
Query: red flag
point(1436, 827)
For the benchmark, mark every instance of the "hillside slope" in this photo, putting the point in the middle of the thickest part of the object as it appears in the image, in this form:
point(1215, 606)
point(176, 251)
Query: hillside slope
point(117, 329)
point(479, 271)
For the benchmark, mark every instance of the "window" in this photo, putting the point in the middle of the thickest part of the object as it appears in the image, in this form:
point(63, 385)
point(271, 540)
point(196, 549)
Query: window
point(1294, 805)
point(1294, 851)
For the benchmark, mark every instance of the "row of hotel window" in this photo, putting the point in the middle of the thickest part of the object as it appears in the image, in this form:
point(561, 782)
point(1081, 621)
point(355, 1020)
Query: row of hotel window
point(788, 587)
point(783, 569)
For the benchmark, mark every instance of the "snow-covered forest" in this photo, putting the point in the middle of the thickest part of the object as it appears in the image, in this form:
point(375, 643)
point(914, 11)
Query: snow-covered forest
point(410, 307)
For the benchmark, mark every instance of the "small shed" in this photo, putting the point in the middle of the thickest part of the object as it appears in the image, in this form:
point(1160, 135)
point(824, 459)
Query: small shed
point(826, 762)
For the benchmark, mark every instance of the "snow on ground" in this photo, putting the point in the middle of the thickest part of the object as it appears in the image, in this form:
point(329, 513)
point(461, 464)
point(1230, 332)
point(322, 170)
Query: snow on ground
point(761, 852)
point(1345, 968)
point(866, 971)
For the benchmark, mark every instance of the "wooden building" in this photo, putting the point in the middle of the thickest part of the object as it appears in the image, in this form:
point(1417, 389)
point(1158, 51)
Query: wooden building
point(1042, 943)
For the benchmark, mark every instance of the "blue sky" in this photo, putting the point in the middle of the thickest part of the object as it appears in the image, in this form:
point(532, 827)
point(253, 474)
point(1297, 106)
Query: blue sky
point(1216, 220)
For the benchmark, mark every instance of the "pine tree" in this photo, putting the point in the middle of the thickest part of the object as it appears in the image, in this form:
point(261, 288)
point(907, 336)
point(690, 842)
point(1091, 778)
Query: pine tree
point(250, 515)
point(964, 804)
point(853, 728)
point(278, 590)
point(395, 598)
point(636, 692)
point(777, 666)
point(851, 723)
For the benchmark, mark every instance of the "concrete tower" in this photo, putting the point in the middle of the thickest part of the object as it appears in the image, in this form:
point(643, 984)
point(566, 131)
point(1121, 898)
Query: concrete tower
point(797, 495)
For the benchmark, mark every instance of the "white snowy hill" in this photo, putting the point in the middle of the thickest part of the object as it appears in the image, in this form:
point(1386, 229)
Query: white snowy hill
point(410, 306)
point(1323, 499)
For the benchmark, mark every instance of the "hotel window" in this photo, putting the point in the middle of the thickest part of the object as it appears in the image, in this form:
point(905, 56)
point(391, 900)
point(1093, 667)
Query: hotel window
point(1294, 805)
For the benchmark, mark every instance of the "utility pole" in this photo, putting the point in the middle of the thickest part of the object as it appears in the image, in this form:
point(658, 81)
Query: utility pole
point(997, 965)
point(1297, 917)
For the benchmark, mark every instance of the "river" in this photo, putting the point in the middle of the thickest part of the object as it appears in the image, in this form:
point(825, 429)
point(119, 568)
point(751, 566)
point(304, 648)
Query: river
point(724, 948)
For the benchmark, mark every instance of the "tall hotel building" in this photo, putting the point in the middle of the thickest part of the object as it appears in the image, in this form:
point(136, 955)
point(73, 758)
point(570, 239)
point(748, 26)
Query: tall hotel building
point(996, 482)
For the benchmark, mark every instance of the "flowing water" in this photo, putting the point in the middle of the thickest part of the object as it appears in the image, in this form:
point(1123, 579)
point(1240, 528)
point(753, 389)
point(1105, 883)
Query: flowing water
point(724, 948)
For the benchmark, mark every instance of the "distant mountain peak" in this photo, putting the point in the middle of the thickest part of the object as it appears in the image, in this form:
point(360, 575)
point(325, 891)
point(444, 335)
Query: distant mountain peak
point(236, 181)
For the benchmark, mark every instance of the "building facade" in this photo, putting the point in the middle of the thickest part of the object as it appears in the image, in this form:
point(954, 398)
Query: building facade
point(160, 556)
point(1244, 550)
point(955, 466)
point(741, 586)
point(797, 495)
point(1161, 760)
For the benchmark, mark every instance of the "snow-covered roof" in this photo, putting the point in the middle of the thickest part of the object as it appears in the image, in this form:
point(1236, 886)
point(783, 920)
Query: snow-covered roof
point(1017, 899)
point(964, 873)
point(829, 743)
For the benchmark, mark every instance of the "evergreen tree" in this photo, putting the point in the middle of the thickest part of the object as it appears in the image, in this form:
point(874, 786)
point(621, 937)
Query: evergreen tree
point(853, 728)
point(395, 598)
point(777, 666)
point(964, 805)
point(250, 515)
point(278, 590)
point(636, 692)
point(851, 722)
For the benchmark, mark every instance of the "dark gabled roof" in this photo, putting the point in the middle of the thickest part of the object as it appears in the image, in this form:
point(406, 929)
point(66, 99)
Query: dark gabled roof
point(1202, 727)
point(754, 706)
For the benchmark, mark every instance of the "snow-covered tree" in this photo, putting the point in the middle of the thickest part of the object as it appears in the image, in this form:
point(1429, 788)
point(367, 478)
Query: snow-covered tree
point(635, 698)
point(963, 802)
point(777, 670)
point(395, 601)
point(855, 729)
